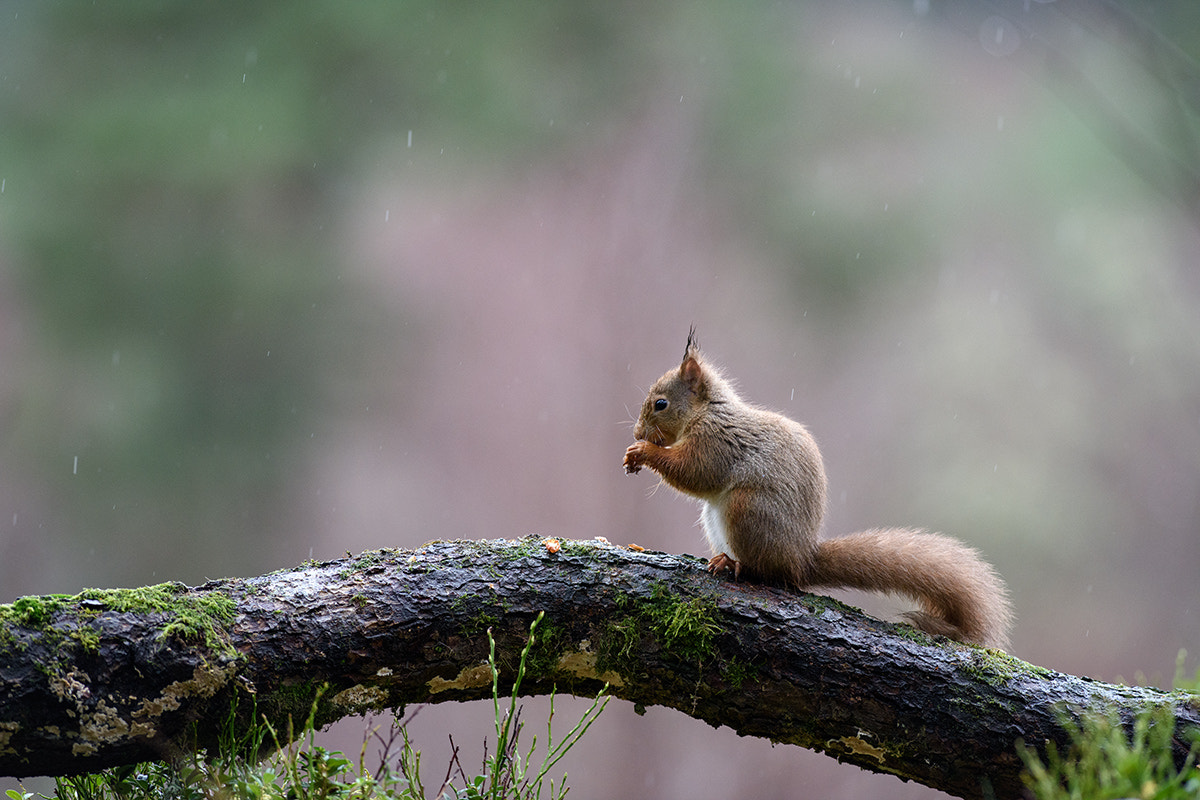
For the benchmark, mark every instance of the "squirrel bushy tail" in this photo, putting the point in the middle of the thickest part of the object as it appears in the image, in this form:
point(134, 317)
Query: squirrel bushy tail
point(961, 596)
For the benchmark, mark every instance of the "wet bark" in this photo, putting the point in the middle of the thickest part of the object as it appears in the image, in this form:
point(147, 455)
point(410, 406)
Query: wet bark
point(106, 678)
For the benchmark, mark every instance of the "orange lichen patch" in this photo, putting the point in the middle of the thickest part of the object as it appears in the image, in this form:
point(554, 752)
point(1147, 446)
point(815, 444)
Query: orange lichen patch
point(552, 545)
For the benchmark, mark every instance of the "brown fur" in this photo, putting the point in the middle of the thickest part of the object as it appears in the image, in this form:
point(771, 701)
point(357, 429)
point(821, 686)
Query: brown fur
point(762, 481)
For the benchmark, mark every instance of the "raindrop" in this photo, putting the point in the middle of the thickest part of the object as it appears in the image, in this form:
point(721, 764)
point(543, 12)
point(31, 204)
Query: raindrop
point(410, 138)
point(998, 36)
point(75, 466)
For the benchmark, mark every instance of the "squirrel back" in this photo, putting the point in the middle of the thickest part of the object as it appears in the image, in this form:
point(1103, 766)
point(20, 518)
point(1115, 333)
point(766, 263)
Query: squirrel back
point(760, 478)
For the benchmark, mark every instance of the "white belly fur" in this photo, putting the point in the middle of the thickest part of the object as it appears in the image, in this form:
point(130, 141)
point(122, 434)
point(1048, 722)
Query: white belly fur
point(714, 530)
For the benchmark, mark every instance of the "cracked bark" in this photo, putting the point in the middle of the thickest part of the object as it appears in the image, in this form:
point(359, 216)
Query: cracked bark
point(90, 686)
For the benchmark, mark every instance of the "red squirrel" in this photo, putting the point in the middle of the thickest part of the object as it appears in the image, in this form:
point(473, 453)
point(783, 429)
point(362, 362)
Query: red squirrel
point(762, 485)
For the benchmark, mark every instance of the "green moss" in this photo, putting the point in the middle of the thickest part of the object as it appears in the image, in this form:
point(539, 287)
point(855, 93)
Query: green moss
point(88, 638)
point(684, 627)
point(32, 612)
point(914, 634)
point(1185, 681)
point(996, 668)
point(546, 648)
point(588, 549)
point(619, 642)
point(294, 707)
point(190, 616)
point(370, 559)
point(528, 546)
point(479, 624)
point(736, 672)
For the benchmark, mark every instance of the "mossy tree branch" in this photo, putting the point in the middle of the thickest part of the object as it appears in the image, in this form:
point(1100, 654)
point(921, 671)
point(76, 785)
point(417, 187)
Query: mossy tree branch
point(115, 677)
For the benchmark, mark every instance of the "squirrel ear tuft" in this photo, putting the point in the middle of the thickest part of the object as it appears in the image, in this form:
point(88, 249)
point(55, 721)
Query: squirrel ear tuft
point(693, 345)
point(691, 370)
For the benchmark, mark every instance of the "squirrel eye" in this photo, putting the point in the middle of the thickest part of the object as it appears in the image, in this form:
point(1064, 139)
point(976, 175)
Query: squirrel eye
point(661, 404)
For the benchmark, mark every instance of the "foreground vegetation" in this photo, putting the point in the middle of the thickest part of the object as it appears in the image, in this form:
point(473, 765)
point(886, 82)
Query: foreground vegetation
point(1103, 762)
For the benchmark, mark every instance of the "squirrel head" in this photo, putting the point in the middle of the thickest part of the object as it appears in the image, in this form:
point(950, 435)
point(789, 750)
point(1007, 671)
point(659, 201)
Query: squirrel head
point(677, 398)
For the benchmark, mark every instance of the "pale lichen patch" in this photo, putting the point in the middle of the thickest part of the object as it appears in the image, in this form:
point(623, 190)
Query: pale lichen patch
point(858, 746)
point(582, 663)
point(361, 698)
point(206, 681)
point(7, 729)
point(468, 678)
point(101, 726)
point(70, 689)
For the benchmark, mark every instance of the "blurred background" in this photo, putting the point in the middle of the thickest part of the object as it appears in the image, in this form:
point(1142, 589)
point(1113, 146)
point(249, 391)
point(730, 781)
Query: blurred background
point(281, 281)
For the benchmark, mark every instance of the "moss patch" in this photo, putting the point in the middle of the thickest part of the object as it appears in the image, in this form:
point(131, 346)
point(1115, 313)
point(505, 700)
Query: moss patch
point(33, 612)
point(685, 627)
point(546, 648)
point(190, 616)
point(737, 672)
point(996, 668)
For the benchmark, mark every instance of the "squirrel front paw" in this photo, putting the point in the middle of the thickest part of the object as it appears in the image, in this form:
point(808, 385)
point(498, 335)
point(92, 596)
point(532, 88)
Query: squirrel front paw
point(634, 457)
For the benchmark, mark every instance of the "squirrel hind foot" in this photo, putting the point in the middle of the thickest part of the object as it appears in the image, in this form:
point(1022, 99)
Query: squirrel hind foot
point(721, 562)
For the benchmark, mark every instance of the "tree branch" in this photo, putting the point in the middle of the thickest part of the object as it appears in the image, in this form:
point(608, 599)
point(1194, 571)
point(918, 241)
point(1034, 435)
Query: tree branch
point(112, 677)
